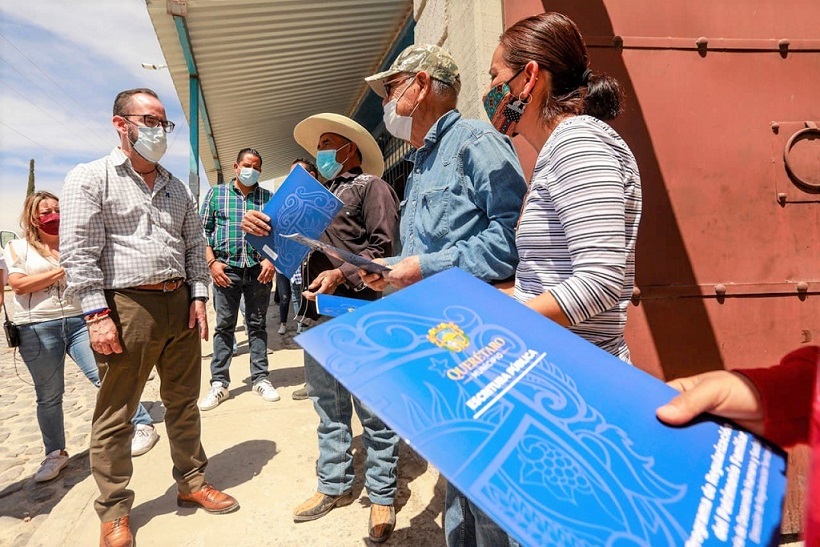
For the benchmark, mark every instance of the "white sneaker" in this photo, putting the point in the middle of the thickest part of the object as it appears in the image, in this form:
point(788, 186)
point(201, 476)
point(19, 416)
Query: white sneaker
point(145, 437)
point(217, 394)
point(282, 328)
point(266, 390)
point(51, 466)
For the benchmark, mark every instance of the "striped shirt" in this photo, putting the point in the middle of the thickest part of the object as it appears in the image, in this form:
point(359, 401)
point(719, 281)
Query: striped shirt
point(222, 211)
point(115, 233)
point(576, 238)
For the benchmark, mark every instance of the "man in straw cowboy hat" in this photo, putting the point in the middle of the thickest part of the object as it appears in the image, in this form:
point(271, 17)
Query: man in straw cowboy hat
point(351, 161)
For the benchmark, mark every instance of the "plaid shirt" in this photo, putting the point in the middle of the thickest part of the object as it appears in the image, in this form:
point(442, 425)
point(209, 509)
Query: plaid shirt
point(222, 211)
point(116, 233)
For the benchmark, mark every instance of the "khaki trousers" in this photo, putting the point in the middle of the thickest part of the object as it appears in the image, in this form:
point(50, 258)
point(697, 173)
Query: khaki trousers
point(153, 331)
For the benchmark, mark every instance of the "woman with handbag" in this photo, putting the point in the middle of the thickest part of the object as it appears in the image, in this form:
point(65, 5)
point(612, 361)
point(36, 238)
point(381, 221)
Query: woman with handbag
point(50, 326)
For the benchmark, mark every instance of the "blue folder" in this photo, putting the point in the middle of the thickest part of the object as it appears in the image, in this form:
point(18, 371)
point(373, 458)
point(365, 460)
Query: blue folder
point(554, 438)
point(300, 205)
point(334, 306)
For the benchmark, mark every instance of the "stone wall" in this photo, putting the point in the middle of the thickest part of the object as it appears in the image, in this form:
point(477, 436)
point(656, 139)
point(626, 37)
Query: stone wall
point(469, 30)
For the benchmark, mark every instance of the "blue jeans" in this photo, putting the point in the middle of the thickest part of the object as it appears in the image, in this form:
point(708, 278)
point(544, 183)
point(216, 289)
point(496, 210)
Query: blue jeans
point(226, 301)
point(334, 404)
point(296, 296)
point(466, 524)
point(43, 347)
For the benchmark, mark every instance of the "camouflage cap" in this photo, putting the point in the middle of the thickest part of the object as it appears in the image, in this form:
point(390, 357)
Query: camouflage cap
point(416, 58)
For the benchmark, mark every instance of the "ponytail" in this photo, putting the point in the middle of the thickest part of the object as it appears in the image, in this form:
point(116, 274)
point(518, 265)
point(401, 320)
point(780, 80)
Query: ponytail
point(604, 97)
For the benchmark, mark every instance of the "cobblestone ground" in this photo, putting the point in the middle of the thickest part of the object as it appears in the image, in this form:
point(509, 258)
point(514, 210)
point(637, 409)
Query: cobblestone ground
point(23, 502)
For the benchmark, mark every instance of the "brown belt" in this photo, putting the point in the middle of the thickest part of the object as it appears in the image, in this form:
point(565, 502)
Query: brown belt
point(169, 285)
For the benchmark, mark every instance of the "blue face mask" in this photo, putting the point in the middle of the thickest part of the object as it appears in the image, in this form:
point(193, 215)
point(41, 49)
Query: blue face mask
point(248, 176)
point(327, 164)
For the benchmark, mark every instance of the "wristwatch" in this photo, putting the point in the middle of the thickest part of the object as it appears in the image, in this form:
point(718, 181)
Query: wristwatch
point(200, 298)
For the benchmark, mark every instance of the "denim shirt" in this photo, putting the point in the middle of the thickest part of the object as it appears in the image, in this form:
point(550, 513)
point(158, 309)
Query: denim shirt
point(462, 200)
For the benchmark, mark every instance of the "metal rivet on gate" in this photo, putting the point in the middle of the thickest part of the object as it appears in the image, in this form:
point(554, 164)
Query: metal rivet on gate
point(720, 289)
point(802, 286)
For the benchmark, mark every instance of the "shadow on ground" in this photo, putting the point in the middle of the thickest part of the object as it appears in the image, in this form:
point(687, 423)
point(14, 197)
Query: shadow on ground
point(27, 499)
point(234, 466)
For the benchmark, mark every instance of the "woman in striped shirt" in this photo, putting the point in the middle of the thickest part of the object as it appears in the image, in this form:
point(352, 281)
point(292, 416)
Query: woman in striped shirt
point(576, 237)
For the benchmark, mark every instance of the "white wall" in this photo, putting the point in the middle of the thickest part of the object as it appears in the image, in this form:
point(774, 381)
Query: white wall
point(469, 30)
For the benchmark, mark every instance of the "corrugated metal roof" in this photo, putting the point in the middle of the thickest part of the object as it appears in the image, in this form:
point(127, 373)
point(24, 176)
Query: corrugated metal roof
point(266, 65)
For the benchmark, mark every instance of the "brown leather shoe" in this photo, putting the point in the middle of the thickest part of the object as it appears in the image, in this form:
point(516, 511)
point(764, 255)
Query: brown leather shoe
point(320, 505)
point(116, 533)
point(210, 499)
point(381, 524)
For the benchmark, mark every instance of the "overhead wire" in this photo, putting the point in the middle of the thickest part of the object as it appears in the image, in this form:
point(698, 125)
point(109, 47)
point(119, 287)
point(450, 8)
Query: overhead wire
point(28, 100)
point(71, 113)
point(94, 131)
point(38, 107)
point(47, 149)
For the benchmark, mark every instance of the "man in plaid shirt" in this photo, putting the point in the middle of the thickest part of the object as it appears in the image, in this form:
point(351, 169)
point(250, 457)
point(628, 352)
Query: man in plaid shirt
point(237, 270)
point(132, 247)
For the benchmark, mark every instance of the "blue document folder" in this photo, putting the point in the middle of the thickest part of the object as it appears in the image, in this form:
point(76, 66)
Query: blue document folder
point(334, 306)
point(554, 438)
point(301, 205)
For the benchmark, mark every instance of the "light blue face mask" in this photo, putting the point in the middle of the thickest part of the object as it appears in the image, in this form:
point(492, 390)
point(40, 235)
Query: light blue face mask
point(248, 176)
point(327, 164)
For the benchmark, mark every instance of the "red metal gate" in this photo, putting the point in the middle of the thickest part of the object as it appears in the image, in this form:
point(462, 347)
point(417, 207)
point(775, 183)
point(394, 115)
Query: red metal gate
point(722, 114)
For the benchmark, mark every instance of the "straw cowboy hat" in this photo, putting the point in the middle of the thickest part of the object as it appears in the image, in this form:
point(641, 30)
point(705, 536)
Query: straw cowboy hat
point(308, 131)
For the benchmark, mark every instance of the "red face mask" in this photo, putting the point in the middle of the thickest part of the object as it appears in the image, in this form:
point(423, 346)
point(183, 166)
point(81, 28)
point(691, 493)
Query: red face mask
point(50, 224)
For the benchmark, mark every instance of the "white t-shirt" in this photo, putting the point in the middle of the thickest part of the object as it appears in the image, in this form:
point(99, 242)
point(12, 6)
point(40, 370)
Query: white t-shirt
point(46, 304)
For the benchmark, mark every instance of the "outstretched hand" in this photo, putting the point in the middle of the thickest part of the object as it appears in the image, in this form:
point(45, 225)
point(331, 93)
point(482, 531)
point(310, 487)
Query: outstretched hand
point(325, 283)
point(722, 393)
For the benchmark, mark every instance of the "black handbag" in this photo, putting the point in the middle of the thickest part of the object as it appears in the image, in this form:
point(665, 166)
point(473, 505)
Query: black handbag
point(12, 331)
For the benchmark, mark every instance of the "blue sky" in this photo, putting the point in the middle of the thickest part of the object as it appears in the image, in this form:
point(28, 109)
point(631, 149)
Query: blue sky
point(61, 65)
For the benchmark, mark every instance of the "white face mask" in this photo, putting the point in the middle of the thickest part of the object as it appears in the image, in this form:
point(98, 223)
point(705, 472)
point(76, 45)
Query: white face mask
point(397, 125)
point(248, 176)
point(151, 143)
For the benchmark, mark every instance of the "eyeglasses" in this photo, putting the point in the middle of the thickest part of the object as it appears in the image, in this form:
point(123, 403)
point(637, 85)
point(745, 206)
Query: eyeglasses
point(152, 121)
point(388, 86)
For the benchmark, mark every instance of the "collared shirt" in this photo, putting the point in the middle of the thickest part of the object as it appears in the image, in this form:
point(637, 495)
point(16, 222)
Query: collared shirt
point(116, 233)
point(462, 200)
point(222, 211)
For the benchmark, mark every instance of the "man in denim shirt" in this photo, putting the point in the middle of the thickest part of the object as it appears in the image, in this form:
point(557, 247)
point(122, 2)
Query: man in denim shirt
point(460, 207)
point(464, 195)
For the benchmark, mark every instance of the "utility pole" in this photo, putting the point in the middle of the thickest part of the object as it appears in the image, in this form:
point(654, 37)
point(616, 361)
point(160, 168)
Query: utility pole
point(30, 189)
